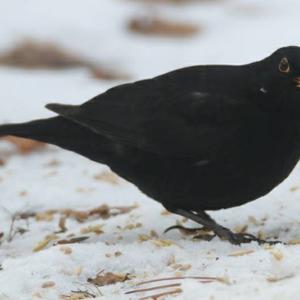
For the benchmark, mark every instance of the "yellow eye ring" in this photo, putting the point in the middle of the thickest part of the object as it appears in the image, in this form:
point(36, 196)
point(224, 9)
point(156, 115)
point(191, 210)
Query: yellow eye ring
point(284, 66)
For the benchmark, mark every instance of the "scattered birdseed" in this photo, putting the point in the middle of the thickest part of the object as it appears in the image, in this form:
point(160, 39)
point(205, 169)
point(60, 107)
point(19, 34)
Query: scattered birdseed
point(66, 250)
point(44, 216)
point(277, 254)
point(44, 243)
point(181, 267)
point(241, 252)
point(109, 177)
point(163, 243)
point(133, 226)
point(97, 229)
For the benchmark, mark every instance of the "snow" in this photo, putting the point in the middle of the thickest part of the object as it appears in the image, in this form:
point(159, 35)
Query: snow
point(234, 32)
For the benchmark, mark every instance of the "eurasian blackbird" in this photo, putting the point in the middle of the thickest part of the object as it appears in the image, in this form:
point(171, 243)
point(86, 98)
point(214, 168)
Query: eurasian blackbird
point(194, 139)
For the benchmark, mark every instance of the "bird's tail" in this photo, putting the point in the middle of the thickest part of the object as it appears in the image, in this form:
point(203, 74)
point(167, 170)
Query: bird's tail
point(40, 130)
point(20, 130)
point(63, 133)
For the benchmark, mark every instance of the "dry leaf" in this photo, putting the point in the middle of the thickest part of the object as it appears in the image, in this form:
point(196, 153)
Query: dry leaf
point(72, 240)
point(38, 55)
point(24, 145)
point(108, 278)
point(275, 279)
point(241, 252)
point(32, 54)
point(48, 284)
point(80, 216)
point(103, 211)
point(108, 176)
point(157, 26)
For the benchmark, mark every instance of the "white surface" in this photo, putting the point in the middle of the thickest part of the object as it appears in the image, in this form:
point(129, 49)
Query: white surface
point(96, 29)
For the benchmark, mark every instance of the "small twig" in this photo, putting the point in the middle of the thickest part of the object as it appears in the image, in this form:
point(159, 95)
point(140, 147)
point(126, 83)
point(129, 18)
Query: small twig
point(85, 293)
point(198, 278)
point(210, 279)
point(162, 287)
point(91, 288)
point(11, 234)
point(157, 296)
point(154, 288)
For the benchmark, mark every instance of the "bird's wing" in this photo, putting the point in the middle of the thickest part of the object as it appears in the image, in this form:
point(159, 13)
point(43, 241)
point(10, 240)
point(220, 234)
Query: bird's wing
point(182, 124)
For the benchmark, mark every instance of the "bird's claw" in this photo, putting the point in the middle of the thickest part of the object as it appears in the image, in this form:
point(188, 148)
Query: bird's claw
point(223, 233)
point(205, 237)
point(241, 238)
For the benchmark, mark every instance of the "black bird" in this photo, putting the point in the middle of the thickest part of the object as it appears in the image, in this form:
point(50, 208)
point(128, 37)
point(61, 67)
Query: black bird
point(194, 139)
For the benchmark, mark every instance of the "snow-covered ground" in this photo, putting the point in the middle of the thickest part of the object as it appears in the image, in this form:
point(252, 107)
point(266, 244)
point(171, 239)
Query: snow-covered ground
point(234, 31)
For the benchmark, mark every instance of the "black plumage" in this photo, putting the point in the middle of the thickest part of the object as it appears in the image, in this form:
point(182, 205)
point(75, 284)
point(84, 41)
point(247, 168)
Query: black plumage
point(194, 139)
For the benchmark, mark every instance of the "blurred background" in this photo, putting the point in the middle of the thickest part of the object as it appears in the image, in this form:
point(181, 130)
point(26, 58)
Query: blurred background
point(69, 51)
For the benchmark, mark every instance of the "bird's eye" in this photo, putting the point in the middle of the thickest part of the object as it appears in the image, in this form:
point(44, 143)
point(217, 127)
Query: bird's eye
point(284, 66)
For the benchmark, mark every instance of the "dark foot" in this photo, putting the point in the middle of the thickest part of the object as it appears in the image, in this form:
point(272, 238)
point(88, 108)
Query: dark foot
point(240, 238)
point(209, 224)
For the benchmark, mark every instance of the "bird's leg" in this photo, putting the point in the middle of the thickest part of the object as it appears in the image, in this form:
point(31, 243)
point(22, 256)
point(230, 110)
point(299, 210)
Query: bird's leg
point(222, 232)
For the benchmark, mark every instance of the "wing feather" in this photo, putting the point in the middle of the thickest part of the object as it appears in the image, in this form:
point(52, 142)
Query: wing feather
point(179, 124)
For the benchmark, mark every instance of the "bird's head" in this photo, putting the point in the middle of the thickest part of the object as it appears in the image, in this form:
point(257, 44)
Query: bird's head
point(287, 64)
point(280, 77)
